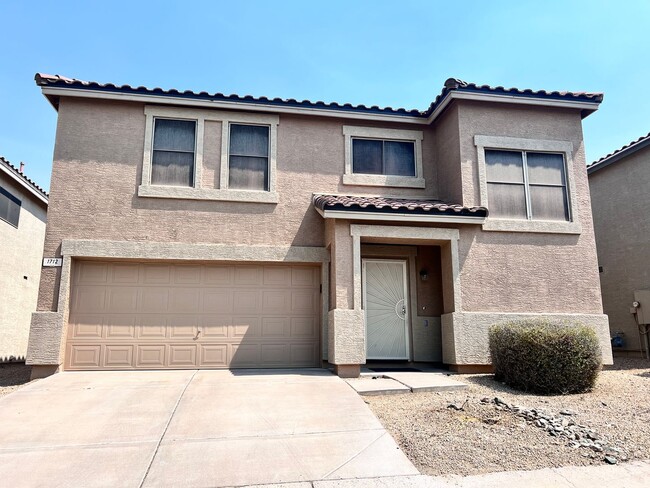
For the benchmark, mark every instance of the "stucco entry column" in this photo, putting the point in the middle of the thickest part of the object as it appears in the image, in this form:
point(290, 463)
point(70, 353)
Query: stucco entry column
point(346, 322)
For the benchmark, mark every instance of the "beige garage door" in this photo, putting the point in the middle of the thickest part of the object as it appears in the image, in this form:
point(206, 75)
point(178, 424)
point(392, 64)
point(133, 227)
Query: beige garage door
point(167, 316)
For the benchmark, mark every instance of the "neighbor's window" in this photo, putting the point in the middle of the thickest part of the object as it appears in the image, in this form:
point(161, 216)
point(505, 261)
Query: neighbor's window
point(527, 185)
point(383, 157)
point(9, 207)
point(172, 162)
point(248, 165)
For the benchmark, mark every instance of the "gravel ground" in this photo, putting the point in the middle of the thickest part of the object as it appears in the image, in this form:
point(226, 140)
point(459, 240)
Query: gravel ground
point(482, 438)
point(13, 376)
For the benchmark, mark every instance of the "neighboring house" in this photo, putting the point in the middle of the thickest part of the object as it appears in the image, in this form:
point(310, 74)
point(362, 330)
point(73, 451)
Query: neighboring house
point(23, 214)
point(212, 231)
point(620, 196)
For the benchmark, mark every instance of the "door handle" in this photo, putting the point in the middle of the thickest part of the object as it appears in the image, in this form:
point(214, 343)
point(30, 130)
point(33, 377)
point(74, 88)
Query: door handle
point(198, 333)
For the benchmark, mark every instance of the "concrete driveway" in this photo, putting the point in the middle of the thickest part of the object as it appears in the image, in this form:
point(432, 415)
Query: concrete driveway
point(191, 428)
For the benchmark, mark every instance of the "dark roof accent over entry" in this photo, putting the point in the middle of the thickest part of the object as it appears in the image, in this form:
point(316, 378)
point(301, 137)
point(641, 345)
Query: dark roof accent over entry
point(398, 207)
point(452, 85)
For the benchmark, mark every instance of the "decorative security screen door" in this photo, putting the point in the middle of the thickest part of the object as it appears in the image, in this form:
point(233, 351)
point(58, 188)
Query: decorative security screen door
point(384, 301)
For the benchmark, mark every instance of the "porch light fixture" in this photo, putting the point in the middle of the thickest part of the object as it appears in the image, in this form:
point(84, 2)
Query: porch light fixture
point(424, 274)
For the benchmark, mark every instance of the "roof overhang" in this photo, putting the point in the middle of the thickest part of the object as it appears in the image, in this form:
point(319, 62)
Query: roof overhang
point(24, 184)
point(399, 217)
point(620, 154)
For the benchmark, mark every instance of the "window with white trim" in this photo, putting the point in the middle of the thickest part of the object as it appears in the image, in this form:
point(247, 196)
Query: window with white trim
point(527, 185)
point(383, 157)
point(172, 159)
point(9, 207)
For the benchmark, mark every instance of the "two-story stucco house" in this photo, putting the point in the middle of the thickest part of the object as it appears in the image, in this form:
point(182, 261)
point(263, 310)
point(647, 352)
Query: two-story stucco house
point(214, 231)
point(623, 240)
point(23, 214)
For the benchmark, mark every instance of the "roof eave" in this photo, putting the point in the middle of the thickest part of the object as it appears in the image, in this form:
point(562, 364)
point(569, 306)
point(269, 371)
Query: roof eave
point(623, 153)
point(25, 184)
point(399, 217)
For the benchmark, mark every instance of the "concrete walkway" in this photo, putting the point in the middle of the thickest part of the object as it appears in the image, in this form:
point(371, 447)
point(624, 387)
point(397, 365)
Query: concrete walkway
point(190, 429)
point(627, 475)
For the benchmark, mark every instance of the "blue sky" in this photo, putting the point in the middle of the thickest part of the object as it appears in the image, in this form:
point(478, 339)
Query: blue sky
point(386, 53)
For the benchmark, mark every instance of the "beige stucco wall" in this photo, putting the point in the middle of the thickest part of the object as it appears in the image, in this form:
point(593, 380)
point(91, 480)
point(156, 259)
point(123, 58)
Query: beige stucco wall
point(20, 267)
point(519, 271)
point(620, 199)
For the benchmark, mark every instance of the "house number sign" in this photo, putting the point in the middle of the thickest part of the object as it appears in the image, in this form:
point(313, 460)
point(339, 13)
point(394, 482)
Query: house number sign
point(52, 262)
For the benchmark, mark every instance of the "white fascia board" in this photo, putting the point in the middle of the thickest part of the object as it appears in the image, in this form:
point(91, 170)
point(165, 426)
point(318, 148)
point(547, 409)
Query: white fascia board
point(377, 216)
point(513, 99)
point(251, 107)
point(24, 184)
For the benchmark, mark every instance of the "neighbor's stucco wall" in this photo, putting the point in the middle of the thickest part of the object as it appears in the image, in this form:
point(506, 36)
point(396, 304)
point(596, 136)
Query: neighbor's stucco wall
point(20, 267)
point(97, 170)
point(620, 200)
point(523, 272)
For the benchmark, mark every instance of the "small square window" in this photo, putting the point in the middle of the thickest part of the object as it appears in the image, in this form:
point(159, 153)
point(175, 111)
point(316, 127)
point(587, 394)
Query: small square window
point(172, 162)
point(9, 207)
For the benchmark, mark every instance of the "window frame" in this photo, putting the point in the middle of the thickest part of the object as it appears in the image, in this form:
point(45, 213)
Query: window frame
point(14, 199)
point(224, 180)
point(198, 192)
point(504, 224)
point(376, 133)
point(195, 172)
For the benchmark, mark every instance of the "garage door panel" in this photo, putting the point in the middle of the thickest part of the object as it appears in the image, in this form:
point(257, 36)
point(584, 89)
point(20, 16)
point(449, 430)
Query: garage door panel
point(120, 326)
point(214, 326)
point(214, 356)
point(126, 273)
point(156, 274)
point(182, 355)
point(127, 315)
point(276, 327)
point(276, 301)
point(245, 355)
point(150, 356)
point(248, 275)
point(87, 327)
point(151, 326)
point(117, 356)
point(245, 327)
point(217, 301)
point(187, 274)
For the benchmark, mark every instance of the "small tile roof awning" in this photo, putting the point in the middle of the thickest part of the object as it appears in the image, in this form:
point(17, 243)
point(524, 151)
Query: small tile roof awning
point(389, 208)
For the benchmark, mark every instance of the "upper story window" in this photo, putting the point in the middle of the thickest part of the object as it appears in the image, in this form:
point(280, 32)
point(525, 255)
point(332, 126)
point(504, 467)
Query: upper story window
point(172, 161)
point(527, 185)
point(9, 207)
point(203, 154)
point(248, 165)
point(383, 157)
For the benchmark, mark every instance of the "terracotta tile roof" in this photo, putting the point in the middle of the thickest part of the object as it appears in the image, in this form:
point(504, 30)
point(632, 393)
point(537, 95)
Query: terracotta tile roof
point(354, 203)
point(624, 151)
point(451, 85)
point(12, 169)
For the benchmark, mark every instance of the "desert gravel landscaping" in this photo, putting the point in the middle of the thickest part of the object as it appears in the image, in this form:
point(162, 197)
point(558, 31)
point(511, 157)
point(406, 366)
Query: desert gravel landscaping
point(13, 376)
point(485, 435)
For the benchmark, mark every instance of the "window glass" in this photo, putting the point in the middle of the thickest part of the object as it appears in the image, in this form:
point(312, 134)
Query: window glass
point(9, 207)
point(379, 157)
point(249, 157)
point(548, 203)
point(505, 166)
point(507, 200)
point(173, 152)
point(545, 168)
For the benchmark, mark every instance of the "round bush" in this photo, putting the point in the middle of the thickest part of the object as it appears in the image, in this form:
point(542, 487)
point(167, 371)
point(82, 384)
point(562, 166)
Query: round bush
point(540, 356)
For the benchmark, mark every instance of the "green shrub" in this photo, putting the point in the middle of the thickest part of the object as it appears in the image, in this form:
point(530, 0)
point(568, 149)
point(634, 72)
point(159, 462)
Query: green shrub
point(544, 357)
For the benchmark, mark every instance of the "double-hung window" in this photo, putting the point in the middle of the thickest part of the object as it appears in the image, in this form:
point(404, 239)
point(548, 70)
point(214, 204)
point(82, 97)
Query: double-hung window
point(527, 185)
point(383, 157)
point(172, 161)
point(248, 164)
point(9, 207)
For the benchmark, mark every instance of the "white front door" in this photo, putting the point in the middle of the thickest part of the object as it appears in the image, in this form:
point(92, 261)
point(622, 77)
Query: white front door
point(386, 307)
